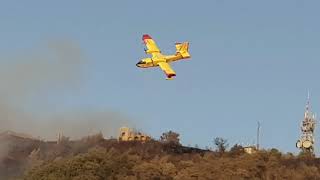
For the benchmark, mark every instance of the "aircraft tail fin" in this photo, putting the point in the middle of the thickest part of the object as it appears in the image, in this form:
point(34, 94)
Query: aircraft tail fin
point(183, 49)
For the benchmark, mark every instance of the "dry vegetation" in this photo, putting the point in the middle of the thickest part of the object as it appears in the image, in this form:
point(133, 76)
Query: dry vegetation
point(93, 157)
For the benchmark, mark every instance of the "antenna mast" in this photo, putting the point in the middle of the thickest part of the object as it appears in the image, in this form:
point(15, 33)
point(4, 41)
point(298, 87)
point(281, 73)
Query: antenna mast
point(258, 135)
point(306, 141)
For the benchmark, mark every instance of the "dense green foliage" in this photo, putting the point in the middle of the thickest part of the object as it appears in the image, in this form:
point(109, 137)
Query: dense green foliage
point(154, 160)
point(96, 158)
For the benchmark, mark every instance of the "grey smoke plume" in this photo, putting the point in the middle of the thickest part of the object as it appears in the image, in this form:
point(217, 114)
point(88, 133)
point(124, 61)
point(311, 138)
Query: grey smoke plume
point(58, 64)
point(57, 67)
point(28, 79)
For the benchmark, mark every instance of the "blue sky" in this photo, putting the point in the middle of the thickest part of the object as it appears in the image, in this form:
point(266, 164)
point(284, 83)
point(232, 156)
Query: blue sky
point(251, 61)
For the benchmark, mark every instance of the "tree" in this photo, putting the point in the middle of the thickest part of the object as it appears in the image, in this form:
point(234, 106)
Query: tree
point(236, 150)
point(170, 137)
point(221, 144)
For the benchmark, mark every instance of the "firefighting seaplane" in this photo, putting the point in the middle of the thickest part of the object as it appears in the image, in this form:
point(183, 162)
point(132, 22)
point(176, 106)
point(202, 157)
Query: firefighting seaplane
point(161, 60)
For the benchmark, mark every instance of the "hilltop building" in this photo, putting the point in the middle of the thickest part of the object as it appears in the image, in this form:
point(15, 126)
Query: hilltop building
point(129, 134)
point(250, 149)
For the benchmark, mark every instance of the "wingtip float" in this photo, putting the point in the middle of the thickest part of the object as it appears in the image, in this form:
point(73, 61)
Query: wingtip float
point(160, 60)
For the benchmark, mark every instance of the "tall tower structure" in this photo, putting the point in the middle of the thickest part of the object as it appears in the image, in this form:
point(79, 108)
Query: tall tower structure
point(258, 136)
point(306, 141)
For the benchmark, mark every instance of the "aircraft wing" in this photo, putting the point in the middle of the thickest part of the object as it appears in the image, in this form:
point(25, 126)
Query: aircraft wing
point(166, 68)
point(152, 47)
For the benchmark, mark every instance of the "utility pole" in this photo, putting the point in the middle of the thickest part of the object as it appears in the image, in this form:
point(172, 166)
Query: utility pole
point(258, 135)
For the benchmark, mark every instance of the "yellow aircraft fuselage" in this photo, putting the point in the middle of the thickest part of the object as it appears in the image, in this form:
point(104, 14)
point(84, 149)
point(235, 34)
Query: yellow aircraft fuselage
point(154, 61)
point(158, 59)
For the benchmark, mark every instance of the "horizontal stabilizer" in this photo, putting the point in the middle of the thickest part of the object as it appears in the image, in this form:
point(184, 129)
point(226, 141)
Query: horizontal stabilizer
point(183, 49)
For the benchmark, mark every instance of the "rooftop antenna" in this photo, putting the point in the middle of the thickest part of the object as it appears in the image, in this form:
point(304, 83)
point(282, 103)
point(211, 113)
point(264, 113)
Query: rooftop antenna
point(308, 102)
point(258, 135)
